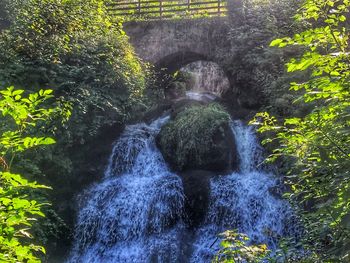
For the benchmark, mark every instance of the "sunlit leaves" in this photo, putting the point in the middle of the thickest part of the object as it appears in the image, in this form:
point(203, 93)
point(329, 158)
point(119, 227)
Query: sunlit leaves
point(79, 50)
point(236, 249)
point(25, 112)
point(17, 210)
point(317, 146)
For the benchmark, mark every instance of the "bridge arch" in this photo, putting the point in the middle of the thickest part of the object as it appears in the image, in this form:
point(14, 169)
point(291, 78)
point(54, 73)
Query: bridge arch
point(171, 44)
point(175, 61)
point(210, 74)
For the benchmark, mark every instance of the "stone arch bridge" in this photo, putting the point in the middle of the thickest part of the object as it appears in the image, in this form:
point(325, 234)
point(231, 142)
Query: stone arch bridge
point(171, 44)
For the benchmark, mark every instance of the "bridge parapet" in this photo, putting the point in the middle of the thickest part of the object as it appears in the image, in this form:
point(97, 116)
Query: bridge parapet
point(167, 9)
point(175, 43)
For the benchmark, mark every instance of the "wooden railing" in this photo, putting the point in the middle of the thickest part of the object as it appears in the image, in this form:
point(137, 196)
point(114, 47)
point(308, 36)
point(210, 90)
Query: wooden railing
point(165, 9)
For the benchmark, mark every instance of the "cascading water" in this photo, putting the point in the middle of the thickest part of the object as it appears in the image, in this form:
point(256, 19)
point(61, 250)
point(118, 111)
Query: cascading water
point(135, 213)
point(242, 201)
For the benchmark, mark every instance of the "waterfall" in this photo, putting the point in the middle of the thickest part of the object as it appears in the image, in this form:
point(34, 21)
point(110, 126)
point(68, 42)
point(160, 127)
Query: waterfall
point(242, 201)
point(135, 213)
point(207, 77)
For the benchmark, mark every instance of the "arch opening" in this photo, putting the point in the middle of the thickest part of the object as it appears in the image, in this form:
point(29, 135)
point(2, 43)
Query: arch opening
point(206, 77)
point(173, 62)
point(192, 75)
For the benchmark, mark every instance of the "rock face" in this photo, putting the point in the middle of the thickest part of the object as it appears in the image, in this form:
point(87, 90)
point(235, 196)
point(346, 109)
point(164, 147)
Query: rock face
point(196, 185)
point(198, 138)
point(207, 76)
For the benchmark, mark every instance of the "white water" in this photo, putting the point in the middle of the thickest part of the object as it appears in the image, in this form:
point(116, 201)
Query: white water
point(135, 214)
point(207, 77)
point(201, 96)
point(242, 201)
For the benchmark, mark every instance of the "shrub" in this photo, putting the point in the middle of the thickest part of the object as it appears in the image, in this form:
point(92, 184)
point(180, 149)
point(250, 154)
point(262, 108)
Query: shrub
point(78, 50)
point(255, 68)
point(315, 146)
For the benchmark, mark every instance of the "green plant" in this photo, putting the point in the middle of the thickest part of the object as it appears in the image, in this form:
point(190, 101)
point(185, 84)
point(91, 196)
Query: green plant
point(19, 116)
point(80, 51)
point(83, 54)
point(236, 249)
point(317, 145)
point(251, 64)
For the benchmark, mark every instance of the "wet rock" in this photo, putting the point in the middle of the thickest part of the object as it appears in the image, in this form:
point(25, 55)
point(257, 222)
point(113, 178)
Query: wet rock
point(157, 111)
point(196, 185)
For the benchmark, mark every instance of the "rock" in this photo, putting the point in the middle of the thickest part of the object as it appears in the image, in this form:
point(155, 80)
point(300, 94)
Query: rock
point(176, 90)
point(182, 104)
point(199, 137)
point(196, 185)
point(157, 111)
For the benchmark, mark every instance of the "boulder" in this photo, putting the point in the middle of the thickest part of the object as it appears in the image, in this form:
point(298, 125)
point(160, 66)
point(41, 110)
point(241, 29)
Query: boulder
point(199, 138)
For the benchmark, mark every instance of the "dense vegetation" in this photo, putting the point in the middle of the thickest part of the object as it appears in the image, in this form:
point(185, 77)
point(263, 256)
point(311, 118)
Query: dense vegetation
point(76, 49)
point(252, 65)
point(25, 122)
point(306, 126)
point(315, 147)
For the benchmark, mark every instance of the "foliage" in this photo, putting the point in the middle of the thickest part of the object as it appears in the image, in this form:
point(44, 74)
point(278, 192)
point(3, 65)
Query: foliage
point(78, 49)
point(317, 145)
point(175, 85)
point(254, 67)
point(190, 135)
point(236, 249)
point(19, 115)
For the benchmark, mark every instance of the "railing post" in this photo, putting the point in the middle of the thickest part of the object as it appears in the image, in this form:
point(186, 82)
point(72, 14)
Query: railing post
point(219, 7)
point(188, 6)
point(160, 8)
point(139, 7)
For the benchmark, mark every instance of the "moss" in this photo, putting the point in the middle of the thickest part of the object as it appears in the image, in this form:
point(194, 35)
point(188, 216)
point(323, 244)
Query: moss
point(191, 138)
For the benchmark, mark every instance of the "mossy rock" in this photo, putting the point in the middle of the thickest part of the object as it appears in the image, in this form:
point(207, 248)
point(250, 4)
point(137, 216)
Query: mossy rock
point(183, 104)
point(199, 137)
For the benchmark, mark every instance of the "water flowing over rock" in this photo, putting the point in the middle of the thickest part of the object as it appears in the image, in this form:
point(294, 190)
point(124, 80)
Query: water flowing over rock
point(242, 201)
point(201, 96)
point(207, 77)
point(136, 213)
point(132, 216)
